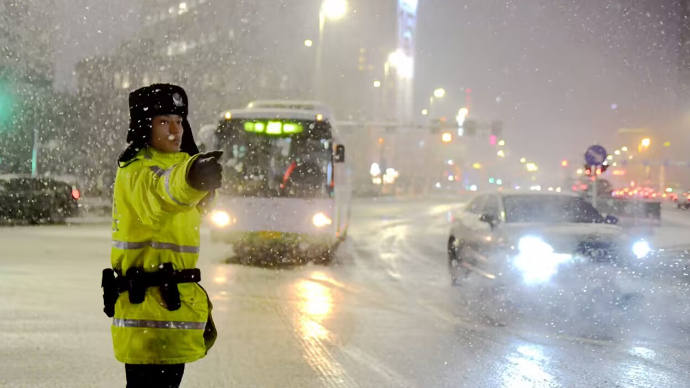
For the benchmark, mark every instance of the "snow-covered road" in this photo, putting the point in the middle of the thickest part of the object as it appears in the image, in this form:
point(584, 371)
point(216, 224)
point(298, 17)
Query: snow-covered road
point(385, 315)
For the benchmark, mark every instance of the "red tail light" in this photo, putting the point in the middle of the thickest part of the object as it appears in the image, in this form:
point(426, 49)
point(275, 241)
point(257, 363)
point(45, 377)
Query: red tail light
point(76, 194)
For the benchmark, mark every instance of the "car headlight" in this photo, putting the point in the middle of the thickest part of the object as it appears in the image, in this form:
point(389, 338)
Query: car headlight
point(320, 220)
point(641, 249)
point(221, 218)
point(537, 261)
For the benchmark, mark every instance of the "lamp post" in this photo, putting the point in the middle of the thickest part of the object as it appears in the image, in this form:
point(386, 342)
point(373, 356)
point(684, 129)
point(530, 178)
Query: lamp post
point(330, 9)
point(438, 93)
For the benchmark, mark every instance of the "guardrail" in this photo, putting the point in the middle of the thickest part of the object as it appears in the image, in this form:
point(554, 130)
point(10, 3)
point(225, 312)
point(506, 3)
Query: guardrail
point(631, 211)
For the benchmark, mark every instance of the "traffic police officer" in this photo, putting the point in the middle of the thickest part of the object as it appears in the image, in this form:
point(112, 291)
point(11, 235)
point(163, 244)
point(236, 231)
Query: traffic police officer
point(161, 315)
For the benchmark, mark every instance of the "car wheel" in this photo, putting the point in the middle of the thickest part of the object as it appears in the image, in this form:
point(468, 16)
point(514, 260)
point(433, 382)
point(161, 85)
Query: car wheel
point(457, 275)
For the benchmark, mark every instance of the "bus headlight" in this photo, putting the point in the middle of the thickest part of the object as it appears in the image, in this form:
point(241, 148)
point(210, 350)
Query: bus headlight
point(320, 220)
point(641, 249)
point(221, 218)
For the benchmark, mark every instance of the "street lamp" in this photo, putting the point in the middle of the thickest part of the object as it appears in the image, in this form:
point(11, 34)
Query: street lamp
point(334, 9)
point(308, 43)
point(531, 167)
point(425, 112)
point(646, 142)
point(377, 84)
point(438, 93)
point(523, 160)
point(330, 9)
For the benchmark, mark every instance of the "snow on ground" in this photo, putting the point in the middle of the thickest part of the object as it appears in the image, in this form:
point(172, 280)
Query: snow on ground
point(384, 316)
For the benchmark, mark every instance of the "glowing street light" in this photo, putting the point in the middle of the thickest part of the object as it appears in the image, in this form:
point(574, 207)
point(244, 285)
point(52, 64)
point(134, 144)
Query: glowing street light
point(447, 137)
point(403, 64)
point(308, 42)
point(464, 112)
point(334, 9)
point(531, 167)
point(646, 142)
point(477, 166)
point(425, 112)
point(439, 93)
point(502, 143)
point(501, 153)
point(330, 9)
point(624, 149)
point(617, 152)
point(523, 160)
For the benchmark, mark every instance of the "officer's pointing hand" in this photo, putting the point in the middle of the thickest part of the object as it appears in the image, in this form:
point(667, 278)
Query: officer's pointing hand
point(206, 173)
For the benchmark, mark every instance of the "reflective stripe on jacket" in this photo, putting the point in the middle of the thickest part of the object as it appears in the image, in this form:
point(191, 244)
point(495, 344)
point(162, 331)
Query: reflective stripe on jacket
point(156, 220)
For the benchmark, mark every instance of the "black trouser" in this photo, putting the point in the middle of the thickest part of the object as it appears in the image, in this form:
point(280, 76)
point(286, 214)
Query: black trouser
point(154, 376)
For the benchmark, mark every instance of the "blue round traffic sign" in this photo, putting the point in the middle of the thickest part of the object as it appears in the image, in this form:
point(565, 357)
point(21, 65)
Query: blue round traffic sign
point(595, 155)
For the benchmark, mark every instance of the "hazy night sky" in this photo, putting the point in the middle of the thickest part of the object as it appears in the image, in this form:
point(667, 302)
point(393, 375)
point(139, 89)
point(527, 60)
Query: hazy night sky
point(558, 66)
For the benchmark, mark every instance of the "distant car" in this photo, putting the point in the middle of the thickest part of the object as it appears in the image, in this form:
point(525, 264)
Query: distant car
point(37, 199)
point(537, 238)
point(683, 201)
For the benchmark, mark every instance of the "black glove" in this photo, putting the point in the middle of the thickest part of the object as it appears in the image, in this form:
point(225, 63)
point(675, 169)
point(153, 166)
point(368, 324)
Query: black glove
point(206, 173)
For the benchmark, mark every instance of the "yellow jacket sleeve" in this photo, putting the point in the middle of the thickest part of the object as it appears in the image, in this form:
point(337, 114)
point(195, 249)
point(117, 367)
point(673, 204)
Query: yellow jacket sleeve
point(155, 191)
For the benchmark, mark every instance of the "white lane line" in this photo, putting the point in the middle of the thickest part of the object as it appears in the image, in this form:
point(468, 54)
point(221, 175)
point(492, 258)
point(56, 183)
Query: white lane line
point(393, 378)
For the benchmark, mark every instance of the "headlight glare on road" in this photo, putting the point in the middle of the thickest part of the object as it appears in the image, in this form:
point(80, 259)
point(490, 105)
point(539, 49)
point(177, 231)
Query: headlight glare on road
point(221, 218)
point(537, 261)
point(641, 249)
point(320, 220)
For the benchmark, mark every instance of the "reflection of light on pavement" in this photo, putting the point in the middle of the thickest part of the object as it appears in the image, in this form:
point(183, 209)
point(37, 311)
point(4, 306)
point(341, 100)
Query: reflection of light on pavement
point(640, 371)
point(316, 298)
point(525, 368)
point(389, 248)
point(643, 352)
point(315, 305)
point(320, 276)
point(220, 279)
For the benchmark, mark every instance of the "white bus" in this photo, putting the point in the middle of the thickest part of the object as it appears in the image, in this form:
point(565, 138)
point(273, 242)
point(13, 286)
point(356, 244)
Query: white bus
point(284, 196)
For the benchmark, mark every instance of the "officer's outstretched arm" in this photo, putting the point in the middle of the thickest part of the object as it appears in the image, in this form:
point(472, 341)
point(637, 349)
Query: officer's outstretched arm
point(156, 191)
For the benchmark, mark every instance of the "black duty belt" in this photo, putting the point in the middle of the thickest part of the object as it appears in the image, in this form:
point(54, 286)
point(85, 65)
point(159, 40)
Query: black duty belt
point(136, 281)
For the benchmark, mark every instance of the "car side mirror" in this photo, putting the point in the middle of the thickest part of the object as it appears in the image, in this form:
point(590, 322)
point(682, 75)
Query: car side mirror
point(489, 219)
point(339, 154)
point(611, 220)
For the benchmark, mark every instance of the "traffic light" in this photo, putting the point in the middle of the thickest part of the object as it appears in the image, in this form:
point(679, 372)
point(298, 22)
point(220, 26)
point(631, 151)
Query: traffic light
point(589, 170)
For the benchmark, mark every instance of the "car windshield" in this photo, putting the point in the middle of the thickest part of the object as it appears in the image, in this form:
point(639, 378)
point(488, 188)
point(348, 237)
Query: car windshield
point(549, 209)
point(345, 193)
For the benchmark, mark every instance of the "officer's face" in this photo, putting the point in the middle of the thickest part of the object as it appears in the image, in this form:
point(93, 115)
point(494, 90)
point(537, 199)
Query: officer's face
point(167, 133)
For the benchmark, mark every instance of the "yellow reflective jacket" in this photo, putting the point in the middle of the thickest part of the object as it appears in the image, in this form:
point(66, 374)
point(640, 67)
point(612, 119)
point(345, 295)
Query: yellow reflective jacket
point(156, 219)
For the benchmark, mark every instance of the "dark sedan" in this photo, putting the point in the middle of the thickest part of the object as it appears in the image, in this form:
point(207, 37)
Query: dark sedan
point(37, 199)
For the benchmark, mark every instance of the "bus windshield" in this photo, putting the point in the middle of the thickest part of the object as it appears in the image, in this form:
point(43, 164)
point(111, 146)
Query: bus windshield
point(260, 165)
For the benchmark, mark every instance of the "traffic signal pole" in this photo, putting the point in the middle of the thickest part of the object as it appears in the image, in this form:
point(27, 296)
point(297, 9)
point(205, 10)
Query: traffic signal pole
point(595, 188)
